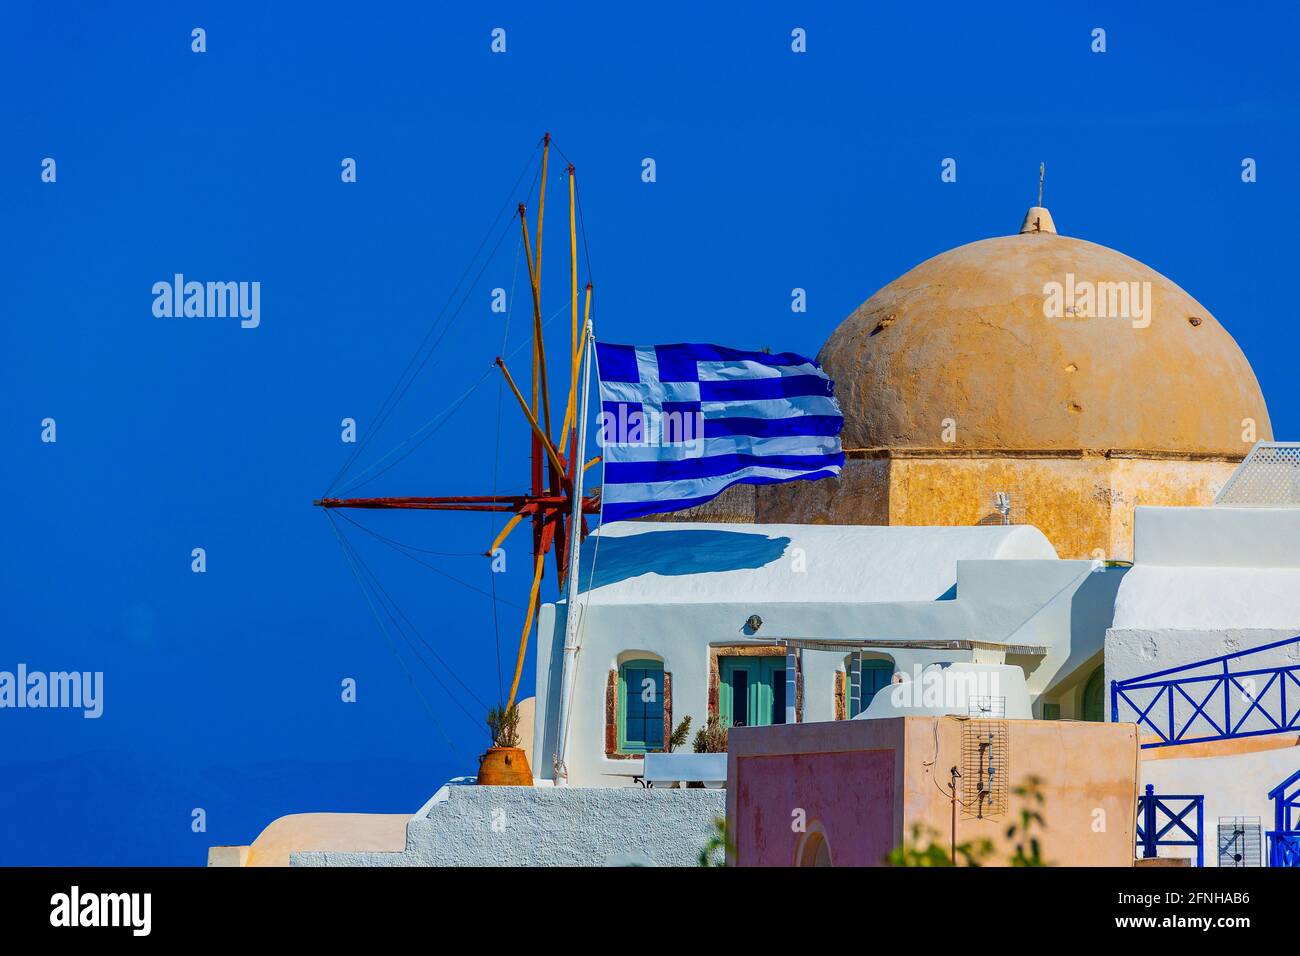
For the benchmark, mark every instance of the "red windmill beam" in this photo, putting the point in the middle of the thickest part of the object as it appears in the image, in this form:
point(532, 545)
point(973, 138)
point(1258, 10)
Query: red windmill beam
point(549, 502)
point(513, 503)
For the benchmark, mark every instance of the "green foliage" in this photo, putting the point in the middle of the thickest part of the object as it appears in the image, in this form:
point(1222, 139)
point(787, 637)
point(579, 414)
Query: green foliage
point(678, 736)
point(927, 846)
point(504, 726)
point(927, 849)
point(719, 845)
point(711, 738)
point(1028, 851)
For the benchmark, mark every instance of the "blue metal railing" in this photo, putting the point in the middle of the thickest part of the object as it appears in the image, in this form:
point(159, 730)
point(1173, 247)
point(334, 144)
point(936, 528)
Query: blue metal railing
point(1158, 817)
point(1154, 701)
point(1286, 803)
point(1284, 848)
point(1284, 838)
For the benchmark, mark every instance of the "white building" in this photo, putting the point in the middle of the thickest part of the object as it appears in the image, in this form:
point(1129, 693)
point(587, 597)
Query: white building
point(1201, 642)
point(1204, 655)
point(967, 406)
point(694, 619)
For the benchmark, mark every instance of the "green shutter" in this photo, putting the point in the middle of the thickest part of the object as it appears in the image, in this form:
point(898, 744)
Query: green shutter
point(641, 707)
point(751, 691)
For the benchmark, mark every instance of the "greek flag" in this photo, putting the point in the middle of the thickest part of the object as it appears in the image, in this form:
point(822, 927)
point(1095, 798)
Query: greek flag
point(681, 423)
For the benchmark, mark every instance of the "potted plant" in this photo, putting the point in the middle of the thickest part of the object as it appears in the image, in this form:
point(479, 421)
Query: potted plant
point(678, 736)
point(504, 764)
point(712, 737)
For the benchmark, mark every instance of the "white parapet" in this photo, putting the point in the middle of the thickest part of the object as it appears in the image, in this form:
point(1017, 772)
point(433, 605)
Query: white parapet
point(708, 769)
point(551, 826)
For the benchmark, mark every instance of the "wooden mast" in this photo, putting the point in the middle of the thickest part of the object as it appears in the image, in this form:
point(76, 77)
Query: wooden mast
point(551, 504)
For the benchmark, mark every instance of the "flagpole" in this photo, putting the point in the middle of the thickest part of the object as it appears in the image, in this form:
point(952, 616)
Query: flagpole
point(569, 664)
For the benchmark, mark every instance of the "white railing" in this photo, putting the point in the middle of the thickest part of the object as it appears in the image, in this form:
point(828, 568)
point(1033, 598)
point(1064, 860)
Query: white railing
point(1269, 477)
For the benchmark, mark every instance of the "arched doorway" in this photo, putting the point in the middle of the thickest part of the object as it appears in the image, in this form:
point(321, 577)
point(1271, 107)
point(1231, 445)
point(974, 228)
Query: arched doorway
point(814, 850)
point(1094, 696)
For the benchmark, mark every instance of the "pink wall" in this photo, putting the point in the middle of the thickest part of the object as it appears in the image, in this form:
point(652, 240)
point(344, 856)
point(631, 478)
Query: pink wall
point(850, 794)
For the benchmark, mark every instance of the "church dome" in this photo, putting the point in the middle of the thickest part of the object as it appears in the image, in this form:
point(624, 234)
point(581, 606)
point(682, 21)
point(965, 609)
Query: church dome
point(1027, 342)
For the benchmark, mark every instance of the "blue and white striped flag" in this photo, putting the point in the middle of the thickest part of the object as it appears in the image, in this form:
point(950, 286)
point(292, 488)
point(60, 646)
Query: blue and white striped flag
point(681, 423)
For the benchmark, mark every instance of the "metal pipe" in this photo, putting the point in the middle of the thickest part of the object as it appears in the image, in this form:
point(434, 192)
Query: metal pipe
point(569, 662)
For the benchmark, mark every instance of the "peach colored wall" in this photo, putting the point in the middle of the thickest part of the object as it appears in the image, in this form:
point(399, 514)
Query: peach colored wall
point(1089, 783)
point(527, 718)
point(378, 832)
point(1088, 773)
point(1083, 503)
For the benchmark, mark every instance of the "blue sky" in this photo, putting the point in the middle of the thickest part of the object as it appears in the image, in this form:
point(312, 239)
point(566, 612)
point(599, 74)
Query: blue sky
point(774, 171)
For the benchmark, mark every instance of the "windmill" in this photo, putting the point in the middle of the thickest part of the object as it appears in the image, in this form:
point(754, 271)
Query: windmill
point(554, 504)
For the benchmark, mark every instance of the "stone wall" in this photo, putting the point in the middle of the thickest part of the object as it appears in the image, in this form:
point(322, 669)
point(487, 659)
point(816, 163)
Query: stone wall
point(1083, 503)
point(551, 826)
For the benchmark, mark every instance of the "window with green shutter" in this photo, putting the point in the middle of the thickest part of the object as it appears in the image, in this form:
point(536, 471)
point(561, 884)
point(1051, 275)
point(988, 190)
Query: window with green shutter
point(751, 691)
point(641, 707)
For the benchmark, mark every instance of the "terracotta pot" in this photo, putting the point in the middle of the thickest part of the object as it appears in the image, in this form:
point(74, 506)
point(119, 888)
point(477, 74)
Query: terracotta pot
point(504, 767)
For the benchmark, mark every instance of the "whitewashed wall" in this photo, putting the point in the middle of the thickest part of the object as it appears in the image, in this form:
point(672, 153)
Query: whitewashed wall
point(1206, 582)
point(1027, 597)
point(1232, 786)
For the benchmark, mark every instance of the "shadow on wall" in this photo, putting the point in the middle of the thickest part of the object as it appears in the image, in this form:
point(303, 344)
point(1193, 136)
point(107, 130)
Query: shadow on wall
point(682, 552)
point(1092, 611)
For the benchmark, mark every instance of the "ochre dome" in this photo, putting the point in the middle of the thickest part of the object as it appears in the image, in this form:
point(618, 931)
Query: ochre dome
point(964, 337)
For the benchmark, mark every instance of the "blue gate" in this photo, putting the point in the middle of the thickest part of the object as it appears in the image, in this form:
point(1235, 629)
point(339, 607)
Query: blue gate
point(1284, 848)
point(1160, 816)
point(1267, 699)
point(1284, 838)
